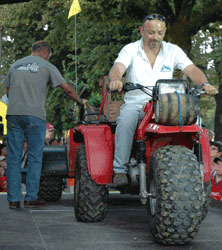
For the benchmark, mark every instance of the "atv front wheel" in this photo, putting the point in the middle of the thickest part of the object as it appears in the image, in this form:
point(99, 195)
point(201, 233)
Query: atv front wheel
point(90, 199)
point(50, 188)
point(207, 189)
point(175, 207)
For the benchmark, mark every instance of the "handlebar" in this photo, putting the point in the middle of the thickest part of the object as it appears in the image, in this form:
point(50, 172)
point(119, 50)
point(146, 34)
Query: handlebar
point(129, 86)
point(197, 91)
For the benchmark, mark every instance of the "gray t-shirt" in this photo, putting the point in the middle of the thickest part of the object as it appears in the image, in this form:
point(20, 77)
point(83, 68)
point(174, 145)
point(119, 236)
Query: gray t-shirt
point(29, 80)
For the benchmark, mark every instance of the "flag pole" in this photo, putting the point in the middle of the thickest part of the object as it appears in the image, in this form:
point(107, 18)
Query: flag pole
point(75, 9)
point(75, 41)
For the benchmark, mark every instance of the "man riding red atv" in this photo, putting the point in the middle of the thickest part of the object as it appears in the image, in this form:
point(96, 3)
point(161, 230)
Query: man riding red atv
point(169, 164)
point(164, 157)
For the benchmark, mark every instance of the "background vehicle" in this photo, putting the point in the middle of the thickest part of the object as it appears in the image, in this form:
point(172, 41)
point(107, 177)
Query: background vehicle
point(169, 166)
point(54, 170)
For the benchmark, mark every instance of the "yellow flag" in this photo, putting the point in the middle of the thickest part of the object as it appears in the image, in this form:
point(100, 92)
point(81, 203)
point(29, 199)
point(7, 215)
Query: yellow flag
point(75, 8)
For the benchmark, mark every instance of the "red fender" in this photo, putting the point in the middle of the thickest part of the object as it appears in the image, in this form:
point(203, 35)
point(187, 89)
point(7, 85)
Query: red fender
point(204, 140)
point(99, 151)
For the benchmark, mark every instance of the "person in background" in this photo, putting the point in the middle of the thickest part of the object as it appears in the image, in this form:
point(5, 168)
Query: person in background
point(215, 151)
point(4, 141)
point(27, 83)
point(50, 131)
point(5, 99)
point(3, 150)
point(211, 135)
point(3, 180)
point(145, 61)
point(216, 181)
point(57, 142)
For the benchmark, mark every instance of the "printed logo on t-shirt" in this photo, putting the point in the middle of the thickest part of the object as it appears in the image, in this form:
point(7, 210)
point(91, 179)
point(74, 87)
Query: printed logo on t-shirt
point(165, 68)
point(32, 67)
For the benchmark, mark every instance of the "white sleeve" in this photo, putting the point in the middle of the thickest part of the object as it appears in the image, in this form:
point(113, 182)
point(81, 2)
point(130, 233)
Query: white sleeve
point(125, 55)
point(181, 59)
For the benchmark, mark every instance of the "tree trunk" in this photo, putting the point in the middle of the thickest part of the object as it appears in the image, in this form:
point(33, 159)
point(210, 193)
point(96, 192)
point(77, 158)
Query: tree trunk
point(218, 116)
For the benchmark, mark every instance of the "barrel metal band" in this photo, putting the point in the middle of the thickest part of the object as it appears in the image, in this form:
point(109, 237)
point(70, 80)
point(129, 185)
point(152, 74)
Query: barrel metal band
point(179, 108)
point(188, 109)
point(170, 104)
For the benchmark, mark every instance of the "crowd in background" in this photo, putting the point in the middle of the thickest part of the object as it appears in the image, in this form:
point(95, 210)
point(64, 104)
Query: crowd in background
point(216, 168)
point(3, 181)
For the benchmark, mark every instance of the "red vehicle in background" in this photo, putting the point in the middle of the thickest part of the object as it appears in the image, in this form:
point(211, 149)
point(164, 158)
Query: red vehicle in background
point(169, 167)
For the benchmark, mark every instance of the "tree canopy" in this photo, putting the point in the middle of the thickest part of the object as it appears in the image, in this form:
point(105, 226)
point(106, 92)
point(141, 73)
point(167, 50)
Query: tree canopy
point(103, 28)
point(12, 1)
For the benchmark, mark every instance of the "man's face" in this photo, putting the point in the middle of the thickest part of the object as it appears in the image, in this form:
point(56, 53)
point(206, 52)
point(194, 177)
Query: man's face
point(153, 32)
point(219, 168)
point(2, 170)
point(49, 135)
point(3, 151)
point(214, 151)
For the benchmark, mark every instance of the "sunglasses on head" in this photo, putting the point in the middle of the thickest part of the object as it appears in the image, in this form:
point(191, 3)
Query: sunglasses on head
point(155, 17)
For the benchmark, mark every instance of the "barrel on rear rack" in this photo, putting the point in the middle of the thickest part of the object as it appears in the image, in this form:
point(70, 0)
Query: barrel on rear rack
point(173, 109)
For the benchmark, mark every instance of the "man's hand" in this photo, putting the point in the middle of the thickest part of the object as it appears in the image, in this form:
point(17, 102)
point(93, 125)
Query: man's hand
point(210, 89)
point(84, 102)
point(116, 85)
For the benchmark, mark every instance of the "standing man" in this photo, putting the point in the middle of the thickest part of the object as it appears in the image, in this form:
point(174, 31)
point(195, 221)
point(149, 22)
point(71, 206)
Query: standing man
point(145, 61)
point(27, 82)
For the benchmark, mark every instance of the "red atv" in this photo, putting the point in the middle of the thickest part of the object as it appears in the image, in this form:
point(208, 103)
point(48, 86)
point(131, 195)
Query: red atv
point(169, 166)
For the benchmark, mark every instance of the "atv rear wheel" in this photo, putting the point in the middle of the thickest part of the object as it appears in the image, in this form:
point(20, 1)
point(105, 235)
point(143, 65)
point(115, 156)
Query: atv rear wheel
point(175, 207)
point(90, 199)
point(50, 188)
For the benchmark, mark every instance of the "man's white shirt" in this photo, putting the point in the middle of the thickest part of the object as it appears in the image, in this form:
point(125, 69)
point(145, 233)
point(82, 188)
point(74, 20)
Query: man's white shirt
point(139, 69)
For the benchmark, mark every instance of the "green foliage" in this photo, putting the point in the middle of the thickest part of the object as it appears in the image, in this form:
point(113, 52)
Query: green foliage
point(103, 28)
point(206, 55)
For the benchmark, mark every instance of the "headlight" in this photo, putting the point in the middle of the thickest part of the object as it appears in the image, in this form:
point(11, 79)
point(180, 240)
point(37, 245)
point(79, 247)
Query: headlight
point(172, 87)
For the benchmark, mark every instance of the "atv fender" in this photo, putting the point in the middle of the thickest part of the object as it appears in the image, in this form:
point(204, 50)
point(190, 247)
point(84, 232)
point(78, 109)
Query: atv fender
point(54, 161)
point(204, 141)
point(99, 151)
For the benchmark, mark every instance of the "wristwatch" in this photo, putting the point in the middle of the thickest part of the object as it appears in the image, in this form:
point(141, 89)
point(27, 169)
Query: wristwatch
point(204, 84)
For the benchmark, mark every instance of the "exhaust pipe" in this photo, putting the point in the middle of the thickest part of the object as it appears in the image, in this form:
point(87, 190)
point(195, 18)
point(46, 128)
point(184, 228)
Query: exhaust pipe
point(141, 159)
point(143, 186)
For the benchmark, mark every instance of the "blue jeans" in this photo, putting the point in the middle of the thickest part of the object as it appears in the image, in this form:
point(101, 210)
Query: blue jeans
point(31, 128)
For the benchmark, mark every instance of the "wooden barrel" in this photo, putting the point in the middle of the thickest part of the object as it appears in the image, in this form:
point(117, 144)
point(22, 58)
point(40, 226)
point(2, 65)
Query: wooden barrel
point(174, 109)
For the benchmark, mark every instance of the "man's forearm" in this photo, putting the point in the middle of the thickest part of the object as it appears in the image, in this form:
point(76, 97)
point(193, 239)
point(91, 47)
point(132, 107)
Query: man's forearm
point(117, 71)
point(71, 92)
point(195, 74)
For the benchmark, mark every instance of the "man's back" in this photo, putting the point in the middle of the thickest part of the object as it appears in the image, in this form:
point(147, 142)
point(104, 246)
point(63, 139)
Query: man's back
point(28, 80)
